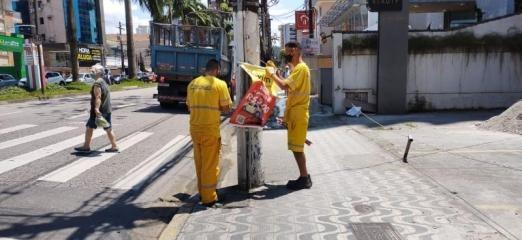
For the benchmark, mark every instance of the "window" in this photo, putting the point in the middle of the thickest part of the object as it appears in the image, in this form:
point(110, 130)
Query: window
point(39, 4)
point(42, 20)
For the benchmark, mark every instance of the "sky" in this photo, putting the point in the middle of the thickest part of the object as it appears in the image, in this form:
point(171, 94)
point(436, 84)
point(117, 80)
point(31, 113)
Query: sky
point(114, 12)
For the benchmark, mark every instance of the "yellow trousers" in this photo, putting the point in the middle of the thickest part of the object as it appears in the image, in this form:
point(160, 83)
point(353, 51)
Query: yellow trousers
point(206, 159)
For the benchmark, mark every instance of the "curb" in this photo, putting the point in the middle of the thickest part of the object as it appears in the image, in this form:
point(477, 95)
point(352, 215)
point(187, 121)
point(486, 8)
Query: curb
point(60, 96)
point(177, 222)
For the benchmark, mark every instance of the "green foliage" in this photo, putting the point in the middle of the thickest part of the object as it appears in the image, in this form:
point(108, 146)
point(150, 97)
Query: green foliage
point(464, 41)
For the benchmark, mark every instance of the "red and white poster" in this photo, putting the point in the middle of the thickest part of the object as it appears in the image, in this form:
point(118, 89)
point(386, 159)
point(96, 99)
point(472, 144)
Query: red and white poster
point(302, 21)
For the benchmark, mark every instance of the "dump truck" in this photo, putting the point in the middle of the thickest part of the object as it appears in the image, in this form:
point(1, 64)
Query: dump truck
point(179, 53)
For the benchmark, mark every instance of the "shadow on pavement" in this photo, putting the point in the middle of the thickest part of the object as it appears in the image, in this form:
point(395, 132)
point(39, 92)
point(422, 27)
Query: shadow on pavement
point(433, 118)
point(105, 215)
point(178, 109)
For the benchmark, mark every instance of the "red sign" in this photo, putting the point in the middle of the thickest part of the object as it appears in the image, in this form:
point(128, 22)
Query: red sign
point(302, 22)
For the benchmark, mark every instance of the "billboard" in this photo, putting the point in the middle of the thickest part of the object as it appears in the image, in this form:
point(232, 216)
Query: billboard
point(89, 56)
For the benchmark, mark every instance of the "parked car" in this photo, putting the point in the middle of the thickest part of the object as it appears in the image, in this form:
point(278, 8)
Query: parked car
point(146, 77)
point(7, 80)
point(82, 77)
point(23, 83)
point(118, 78)
point(55, 77)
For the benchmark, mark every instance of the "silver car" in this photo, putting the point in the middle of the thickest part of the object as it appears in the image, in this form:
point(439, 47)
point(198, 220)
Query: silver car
point(55, 77)
point(82, 77)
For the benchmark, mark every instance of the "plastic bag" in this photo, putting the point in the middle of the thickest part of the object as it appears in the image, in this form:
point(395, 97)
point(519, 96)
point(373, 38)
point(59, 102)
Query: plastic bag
point(255, 108)
point(102, 122)
point(354, 111)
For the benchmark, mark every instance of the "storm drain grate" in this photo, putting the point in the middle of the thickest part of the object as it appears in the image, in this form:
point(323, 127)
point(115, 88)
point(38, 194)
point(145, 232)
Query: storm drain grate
point(374, 231)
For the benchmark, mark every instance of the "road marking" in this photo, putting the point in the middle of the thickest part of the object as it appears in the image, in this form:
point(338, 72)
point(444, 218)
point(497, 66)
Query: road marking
point(79, 115)
point(124, 105)
point(9, 113)
point(34, 137)
point(86, 113)
point(20, 160)
point(78, 167)
point(139, 174)
point(16, 128)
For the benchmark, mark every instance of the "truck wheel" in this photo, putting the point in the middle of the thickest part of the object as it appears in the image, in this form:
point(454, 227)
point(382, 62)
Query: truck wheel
point(165, 105)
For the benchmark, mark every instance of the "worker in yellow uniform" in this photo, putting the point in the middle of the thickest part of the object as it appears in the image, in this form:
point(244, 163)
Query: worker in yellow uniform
point(207, 97)
point(296, 114)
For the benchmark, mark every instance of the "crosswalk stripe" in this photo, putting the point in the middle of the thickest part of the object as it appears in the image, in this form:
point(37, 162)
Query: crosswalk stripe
point(16, 128)
point(9, 113)
point(139, 174)
point(84, 114)
point(78, 167)
point(20, 160)
point(34, 137)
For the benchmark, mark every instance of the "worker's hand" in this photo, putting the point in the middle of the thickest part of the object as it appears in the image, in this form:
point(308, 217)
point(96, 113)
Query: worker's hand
point(97, 112)
point(270, 71)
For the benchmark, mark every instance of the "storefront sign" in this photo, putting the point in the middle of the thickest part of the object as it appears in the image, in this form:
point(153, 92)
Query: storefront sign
point(11, 44)
point(384, 5)
point(302, 21)
point(89, 56)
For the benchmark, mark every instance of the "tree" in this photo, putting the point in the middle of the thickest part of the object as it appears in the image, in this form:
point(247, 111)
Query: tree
point(130, 40)
point(72, 39)
point(142, 63)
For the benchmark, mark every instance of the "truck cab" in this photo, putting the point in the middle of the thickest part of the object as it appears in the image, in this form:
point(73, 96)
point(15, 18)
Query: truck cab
point(179, 54)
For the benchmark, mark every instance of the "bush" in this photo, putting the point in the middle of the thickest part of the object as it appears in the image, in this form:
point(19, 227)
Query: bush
point(54, 87)
point(12, 91)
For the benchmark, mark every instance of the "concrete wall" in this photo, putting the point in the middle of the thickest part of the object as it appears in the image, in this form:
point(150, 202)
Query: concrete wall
point(464, 80)
point(437, 81)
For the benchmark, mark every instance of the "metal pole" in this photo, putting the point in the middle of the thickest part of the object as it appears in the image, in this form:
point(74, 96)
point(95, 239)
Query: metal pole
point(311, 19)
point(122, 53)
point(405, 157)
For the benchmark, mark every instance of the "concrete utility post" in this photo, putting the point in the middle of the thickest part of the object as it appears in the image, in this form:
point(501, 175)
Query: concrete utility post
point(247, 49)
point(392, 72)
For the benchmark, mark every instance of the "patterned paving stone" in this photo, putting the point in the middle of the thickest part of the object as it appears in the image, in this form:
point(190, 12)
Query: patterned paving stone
point(349, 187)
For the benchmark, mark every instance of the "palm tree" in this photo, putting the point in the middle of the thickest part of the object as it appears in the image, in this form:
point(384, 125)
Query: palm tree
point(130, 40)
point(188, 11)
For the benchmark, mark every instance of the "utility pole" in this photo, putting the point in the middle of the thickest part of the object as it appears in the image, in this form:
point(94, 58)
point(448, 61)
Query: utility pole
point(73, 41)
point(311, 18)
point(131, 62)
point(247, 45)
point(266, 41)
point(120, 27)
point(36, 40)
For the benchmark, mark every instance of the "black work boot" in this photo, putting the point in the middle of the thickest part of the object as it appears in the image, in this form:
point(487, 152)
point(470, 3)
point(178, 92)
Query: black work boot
point(300, 183)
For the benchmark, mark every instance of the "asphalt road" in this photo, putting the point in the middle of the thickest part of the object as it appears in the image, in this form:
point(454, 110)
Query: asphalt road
point(49, 192)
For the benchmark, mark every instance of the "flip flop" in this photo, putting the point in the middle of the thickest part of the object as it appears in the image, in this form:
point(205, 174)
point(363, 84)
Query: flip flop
point(112, 150)
point(82, 149)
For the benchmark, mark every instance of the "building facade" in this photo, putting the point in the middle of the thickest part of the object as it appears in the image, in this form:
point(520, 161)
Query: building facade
point(50, 20)
point(11, 45)
point(143, 29)
point(288, 33)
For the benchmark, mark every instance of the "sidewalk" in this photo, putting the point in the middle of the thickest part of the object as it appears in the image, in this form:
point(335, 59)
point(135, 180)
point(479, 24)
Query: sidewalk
point(360, 190)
